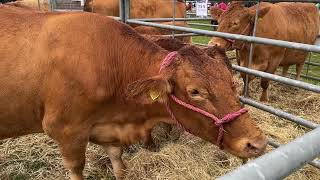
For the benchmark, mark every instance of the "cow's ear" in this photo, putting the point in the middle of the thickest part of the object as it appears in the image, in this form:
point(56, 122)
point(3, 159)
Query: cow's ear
point(216, 13)
point(215, 52)
point(148, 91)
point(219, 54)
point(262, 11)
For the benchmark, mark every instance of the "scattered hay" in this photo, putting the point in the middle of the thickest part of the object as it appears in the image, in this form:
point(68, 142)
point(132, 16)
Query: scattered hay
point(36, 156)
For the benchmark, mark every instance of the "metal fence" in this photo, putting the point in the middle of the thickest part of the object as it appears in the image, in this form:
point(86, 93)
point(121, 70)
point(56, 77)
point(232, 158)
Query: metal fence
point(287, 158)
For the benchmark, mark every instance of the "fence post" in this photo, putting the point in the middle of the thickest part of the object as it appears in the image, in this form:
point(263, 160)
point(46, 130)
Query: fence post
point(39, 5)
point(308, 64)
point(127, 9)
point(123, 10)
point(246, 84)
point(173, 15)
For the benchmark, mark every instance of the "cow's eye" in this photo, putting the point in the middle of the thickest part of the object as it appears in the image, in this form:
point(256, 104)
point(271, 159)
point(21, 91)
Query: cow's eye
point(197, 94)
point(194, 92)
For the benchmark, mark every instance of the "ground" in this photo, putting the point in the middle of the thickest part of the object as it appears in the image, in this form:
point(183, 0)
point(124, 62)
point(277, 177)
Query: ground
point(37, 157)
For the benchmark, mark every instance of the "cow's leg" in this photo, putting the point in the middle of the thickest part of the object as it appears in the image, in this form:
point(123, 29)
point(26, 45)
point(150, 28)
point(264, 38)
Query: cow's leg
point(299, 68)
point(148, 142)
point(115, 155)
point(244, 83)
point(72, 140)
point(73, 154)
point(285, 71)
point(264, 85)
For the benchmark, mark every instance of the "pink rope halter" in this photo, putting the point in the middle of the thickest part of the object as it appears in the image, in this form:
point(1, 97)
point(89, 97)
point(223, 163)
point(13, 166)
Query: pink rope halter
point(218, 122)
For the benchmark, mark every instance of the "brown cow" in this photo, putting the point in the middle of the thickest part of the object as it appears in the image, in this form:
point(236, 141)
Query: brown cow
point(142, 9)
point(44, 5)
point(295, 22)
point(138, 8)
point(148, 30)
point(83, 77)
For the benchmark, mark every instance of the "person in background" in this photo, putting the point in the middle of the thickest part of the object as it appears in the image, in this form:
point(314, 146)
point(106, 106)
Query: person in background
point(223, 6)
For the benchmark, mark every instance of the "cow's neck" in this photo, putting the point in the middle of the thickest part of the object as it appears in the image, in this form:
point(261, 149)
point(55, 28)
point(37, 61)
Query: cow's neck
point(137, 63)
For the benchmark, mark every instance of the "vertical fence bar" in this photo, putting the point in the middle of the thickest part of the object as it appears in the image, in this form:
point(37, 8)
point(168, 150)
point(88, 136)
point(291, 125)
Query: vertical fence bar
point(39, 5)
point(122, 10)
point(174, 15)
point(92, 4)
point(246, 85)
point(308, 64)
point(51, 5)
point(127, 9)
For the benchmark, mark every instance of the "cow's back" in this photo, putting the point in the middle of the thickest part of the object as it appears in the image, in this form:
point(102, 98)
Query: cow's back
point(138, 8)
point(156, 9)
point(105, 7)
point(303, 27)
point(294, 22)
point(303, 21)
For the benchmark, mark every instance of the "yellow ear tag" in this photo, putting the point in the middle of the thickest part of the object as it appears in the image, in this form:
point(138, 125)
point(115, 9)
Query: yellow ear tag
point(154, 94)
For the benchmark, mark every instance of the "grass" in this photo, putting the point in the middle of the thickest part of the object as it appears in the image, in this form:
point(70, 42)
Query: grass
point(310, 70)
point(201, 39)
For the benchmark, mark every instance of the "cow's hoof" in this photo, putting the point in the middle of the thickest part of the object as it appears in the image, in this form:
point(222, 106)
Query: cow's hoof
point(264, 99)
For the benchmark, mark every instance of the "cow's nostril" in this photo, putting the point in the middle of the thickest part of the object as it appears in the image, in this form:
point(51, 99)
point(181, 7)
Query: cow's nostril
point(213, 43)
point(256, 147)
point(252, 147)
point(217, 44)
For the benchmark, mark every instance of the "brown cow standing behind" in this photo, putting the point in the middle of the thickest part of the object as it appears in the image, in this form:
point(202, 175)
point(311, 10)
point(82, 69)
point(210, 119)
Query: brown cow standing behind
point(44, 5)
point(138, 8)
point(148, 30)
point(295, 22)
point(143, 9)
point(83, 77)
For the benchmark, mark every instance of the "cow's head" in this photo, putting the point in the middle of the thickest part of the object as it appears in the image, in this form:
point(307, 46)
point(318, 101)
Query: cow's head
point(236, 20)
point(206, 83)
